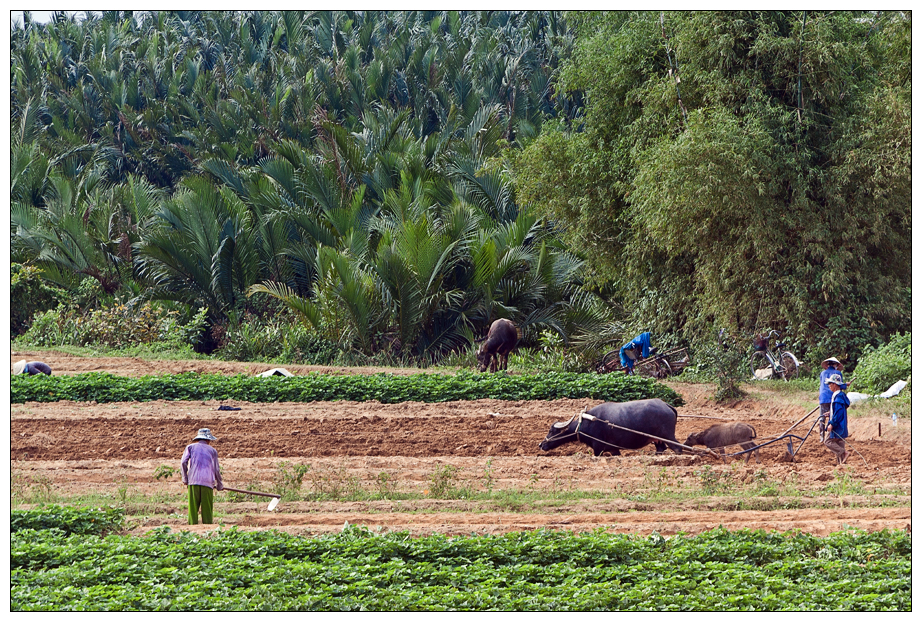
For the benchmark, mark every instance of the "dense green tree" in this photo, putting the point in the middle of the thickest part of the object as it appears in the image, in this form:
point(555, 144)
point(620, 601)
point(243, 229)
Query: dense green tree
point(746, 169)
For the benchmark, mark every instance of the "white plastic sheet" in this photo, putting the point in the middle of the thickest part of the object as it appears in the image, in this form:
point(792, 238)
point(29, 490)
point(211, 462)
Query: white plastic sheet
point(893, 391)
point(278, 371)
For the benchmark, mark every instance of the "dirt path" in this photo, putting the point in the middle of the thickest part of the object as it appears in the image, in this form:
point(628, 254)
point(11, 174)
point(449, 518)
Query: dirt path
point(63, 363)
point(820, 521)
point(83, 448)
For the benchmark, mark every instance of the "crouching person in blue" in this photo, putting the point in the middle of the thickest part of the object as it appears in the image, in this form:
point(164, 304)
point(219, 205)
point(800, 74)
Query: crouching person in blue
point(837, 428)
point(635, 350)
point(33, 368)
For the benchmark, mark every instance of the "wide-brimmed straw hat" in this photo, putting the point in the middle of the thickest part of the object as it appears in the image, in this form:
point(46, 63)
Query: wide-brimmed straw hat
point(835, 379)
point(204, 435)
point(19, 367)
point(833, 360)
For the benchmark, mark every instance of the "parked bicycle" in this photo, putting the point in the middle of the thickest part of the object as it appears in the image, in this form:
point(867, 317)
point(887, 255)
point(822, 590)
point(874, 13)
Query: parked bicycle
point(774, 362)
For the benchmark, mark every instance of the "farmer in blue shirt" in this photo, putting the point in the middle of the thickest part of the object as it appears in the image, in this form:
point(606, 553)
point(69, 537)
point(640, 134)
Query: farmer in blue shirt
point(634, 350)
point(830, 366)
point(837, 428)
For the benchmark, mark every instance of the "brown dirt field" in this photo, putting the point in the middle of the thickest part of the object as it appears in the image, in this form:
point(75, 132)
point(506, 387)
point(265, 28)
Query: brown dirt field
point(63, 363)
point(83, 448)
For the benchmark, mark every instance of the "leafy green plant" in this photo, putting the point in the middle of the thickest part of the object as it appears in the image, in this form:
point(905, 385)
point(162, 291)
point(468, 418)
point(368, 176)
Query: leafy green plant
point(443, 483)
point(70, 520)
point(42, 489)
point(192, 332)
point(385, 485)
point(384, 388)
point(334, 483)
point(489, 480)
point(19, 484)
point(879, 368)
point(541, 570)
point(722, 359)
point(116, 326)
point(123, 492)
point(713, 481)
point(845, 483)
point(164, 472)
point(30, 294)
point(288, 479)
point(764, 486)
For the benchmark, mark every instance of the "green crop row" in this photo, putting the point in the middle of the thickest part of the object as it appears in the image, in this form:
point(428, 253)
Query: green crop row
point(540, 570)
point(312, 387)
point(82, 521)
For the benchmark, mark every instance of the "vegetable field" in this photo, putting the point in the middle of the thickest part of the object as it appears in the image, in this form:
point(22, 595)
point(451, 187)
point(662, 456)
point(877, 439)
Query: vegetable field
point(428, 505)
point(543, 570)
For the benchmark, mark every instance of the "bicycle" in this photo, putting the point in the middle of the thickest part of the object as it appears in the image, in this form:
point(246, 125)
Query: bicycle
point(656, 365)
point(772, 362)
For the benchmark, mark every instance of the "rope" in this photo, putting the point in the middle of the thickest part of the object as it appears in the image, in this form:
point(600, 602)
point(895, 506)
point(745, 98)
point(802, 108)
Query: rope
point(668, 442)
point(706, 417)
point(857, 452)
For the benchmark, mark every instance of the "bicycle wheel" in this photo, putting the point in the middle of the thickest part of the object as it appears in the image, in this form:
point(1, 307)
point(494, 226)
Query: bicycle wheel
point(653, 368)
point(789, 366)
point(662, 369)
point(759, 364)
point(609, 363)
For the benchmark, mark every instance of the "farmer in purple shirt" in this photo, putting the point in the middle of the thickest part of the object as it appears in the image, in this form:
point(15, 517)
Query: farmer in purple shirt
point(200, 471)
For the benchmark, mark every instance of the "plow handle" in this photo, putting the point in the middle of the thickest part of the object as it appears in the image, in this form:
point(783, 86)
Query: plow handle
point(251, 492)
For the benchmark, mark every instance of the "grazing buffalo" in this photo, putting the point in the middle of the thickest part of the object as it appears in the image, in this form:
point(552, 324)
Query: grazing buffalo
point(646, 417)
point(725, 434)
point(500, 341)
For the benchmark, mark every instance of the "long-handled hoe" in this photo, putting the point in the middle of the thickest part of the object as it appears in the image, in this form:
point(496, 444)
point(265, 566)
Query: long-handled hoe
point(272, 504)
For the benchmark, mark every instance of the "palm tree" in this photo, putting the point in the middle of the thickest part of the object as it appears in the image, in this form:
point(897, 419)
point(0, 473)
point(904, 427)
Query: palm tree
point(199, 249)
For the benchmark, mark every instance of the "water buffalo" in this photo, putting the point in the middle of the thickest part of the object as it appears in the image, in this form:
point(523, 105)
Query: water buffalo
point(501, 339)
point(654, 417)
point(725, 434)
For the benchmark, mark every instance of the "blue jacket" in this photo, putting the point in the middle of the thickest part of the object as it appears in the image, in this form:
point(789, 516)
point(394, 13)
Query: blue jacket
point(643, 341)
point(825, 391)
point(839, 415)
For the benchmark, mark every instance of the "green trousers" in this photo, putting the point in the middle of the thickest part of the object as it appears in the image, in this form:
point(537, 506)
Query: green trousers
point(200, 497)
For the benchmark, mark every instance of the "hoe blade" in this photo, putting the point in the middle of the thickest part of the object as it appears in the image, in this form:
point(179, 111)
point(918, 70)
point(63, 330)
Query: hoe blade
point(273, 503)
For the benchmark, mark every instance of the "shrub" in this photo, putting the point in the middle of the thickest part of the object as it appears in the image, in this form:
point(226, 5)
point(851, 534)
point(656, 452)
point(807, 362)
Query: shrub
point(29, 294)
point(82, 521)
point(279, 340)
point(878, 369)
point(725, 361)
point(289, 479)
point(116, 326)
point(442, 483)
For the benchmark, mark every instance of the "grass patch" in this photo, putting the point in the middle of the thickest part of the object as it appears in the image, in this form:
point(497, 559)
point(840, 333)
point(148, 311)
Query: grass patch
point(157, 351)
point(901, 405)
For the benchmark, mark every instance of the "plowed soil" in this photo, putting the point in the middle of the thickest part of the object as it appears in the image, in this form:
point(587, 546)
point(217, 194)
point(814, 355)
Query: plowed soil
point(79, 448)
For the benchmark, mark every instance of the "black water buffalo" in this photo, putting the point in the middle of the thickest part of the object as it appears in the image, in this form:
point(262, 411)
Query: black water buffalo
point(723, 435)
point(654, 417)
point(501, 339)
